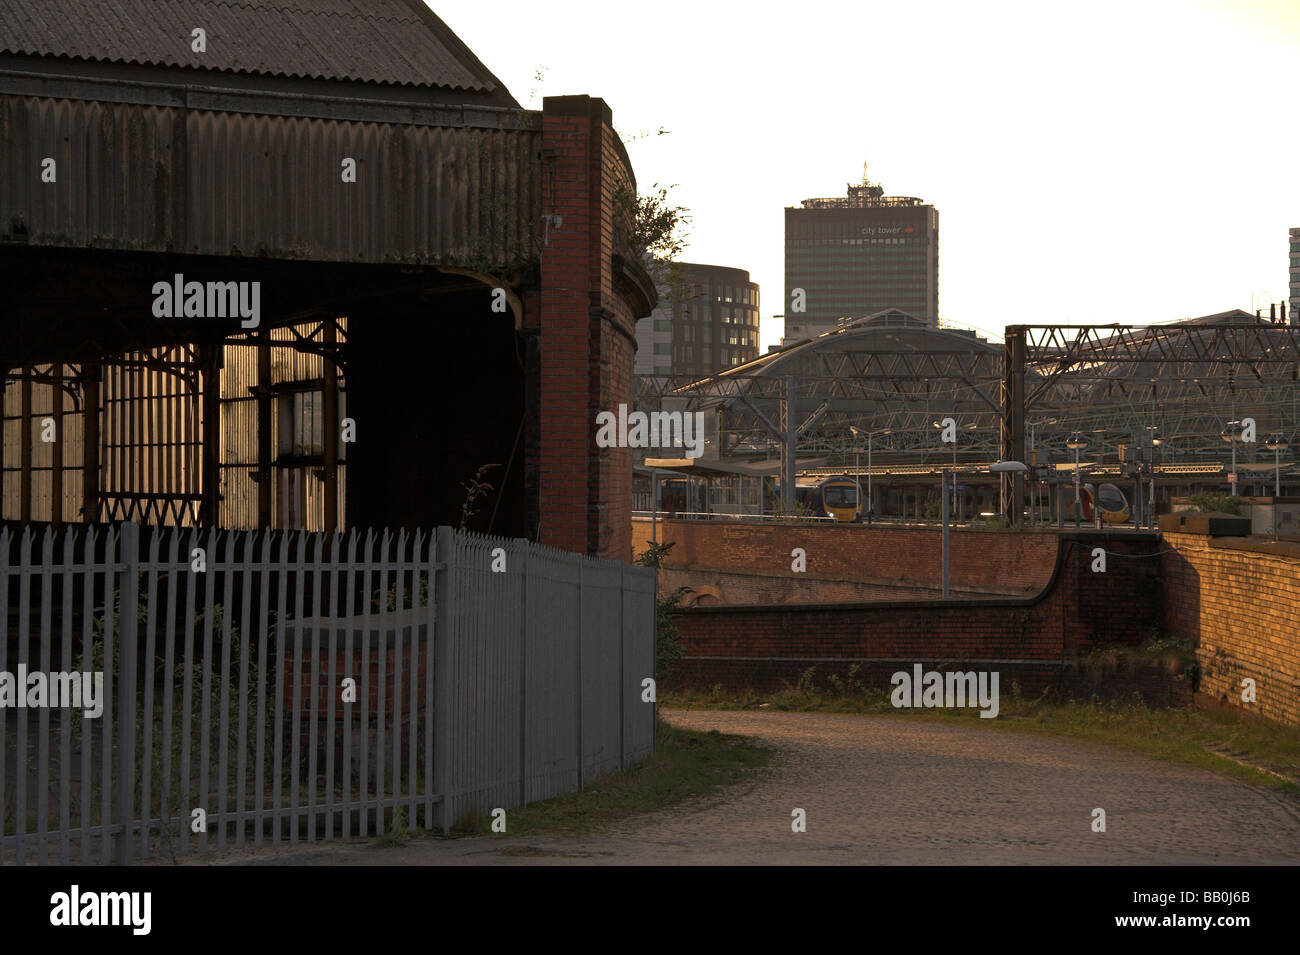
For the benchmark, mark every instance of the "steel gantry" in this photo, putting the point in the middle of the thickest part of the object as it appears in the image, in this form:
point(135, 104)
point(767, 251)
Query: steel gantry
point(1123, 385)
point(1183, 381)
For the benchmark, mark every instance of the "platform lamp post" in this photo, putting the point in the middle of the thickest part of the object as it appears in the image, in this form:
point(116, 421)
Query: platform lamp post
point(871, 501)
point(1277, 444)
point(1232, 434)
point(1076, 443)
point(857, 468)
point(1155, 446)
point(1149, 507)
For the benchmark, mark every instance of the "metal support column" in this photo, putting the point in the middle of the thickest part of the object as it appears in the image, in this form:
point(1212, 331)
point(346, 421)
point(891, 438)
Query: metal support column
point(56, 447)
point(91, 374)
point(265, 450)
point(210, 466)
point(331, 428)
point(1015, 413)
point(789, 443)
point(25, 459)
point(946, 520)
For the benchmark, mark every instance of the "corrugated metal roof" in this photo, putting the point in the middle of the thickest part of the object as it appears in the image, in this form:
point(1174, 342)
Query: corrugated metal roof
point(215, 183)
point(378, 41)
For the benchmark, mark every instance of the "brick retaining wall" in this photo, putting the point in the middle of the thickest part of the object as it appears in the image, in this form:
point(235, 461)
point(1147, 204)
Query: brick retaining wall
point(1240, 609)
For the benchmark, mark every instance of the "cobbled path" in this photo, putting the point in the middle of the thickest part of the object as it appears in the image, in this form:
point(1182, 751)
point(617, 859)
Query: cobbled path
point(894, 791)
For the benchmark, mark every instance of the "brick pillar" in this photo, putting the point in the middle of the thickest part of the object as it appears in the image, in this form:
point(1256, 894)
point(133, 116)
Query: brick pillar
point(586, 335)
point(529, 349)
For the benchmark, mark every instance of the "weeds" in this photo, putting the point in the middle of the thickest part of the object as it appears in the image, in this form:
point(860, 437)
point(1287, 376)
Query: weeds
point(399, 832)
point(668, 648)
point(685, 764)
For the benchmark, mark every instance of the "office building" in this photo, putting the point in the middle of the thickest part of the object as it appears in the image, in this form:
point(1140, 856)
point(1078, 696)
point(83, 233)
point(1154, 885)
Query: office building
point(707, 321)
point(858, 255)
point(1294, 301)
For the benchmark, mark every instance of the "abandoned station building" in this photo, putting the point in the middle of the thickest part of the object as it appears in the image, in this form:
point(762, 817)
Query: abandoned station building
point(305, 265)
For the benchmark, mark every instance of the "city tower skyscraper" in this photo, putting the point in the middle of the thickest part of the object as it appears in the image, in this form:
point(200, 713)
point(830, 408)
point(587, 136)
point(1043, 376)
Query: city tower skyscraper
point(859, 254)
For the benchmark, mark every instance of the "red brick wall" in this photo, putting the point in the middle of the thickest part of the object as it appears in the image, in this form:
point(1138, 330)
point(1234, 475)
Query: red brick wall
point(988, 561)
point(614, 329)
point(1241, 610)
point(586, 337)
point(1031, 640)
point(716, 587)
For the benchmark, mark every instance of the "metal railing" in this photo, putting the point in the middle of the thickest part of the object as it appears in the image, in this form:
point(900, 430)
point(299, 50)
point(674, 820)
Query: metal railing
point(725, 516)
point(287, 686)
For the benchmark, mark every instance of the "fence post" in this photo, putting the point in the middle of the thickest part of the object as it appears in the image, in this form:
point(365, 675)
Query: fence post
point(622, 667)
point(654, 659)
point(578, 662)
point(128, 543)
point(524, 569)
point(444, 611)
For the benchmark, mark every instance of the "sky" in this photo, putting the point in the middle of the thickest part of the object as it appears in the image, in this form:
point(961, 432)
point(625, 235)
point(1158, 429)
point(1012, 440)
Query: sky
point(1130, 162)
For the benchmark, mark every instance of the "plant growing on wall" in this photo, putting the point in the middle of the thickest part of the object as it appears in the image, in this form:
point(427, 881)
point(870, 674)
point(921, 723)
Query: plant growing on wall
point(668, 649)
point(475, 488)
point(652, 230)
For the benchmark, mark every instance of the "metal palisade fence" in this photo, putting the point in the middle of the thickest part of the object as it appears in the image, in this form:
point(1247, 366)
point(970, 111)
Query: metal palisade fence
point(273, 687)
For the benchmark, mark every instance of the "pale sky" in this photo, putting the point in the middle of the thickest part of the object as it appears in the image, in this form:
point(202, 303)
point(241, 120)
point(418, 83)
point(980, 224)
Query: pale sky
point(1129, 162)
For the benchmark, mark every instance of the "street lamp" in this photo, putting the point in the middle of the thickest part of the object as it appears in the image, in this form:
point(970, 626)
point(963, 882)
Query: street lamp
point(870, 499)
point(1277, 444)
point(1148, 515)
point(969, 427)
point(1232, 434)
point(1155, 444)
point(1076, 443)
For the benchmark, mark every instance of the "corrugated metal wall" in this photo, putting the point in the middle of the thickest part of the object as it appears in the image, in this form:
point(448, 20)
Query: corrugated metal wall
point(216, 183)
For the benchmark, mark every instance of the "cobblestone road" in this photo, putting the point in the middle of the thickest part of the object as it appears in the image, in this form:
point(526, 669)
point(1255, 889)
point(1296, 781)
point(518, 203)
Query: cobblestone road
point(885, 790)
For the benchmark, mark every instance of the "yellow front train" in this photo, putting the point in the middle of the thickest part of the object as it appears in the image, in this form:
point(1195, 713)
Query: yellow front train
point(1107, 500)
point(835, 497)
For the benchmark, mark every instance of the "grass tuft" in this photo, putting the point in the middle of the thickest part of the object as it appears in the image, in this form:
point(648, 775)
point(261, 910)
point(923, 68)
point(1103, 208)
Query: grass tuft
point(686, 764)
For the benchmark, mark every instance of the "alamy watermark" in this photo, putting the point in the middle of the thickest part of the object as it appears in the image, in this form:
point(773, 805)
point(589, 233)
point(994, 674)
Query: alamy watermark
point(38, 690)
point(182, 299)
point(947, 690)
point(656, 429)
point(75, 908)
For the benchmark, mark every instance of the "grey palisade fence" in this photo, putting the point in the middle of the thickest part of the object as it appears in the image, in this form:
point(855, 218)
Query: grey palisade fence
point(290, 686)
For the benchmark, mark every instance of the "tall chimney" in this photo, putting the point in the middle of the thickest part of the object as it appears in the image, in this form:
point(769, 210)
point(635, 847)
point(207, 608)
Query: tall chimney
point(1272, 313)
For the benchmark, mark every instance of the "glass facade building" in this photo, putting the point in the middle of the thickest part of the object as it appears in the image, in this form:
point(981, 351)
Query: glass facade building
point(706, 321)
point(854, 256)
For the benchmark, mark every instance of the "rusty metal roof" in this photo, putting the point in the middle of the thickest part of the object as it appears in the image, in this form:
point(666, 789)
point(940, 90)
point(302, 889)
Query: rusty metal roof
point(399, 42)
point(214, 182)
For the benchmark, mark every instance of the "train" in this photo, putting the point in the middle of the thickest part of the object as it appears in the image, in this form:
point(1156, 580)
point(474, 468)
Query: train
point(839, 498)
point(1107, 499)
point(835, 497)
